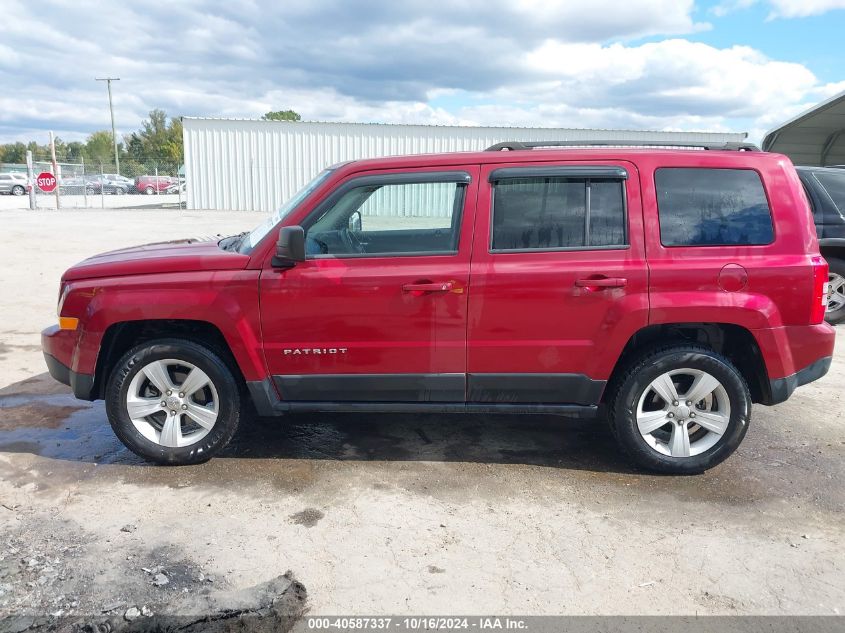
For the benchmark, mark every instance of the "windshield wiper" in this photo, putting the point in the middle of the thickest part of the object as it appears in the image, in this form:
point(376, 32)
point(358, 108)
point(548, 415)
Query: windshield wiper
point(233, 242)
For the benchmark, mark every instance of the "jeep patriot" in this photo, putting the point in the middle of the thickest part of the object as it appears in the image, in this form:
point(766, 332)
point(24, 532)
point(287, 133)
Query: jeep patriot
point(663, 289)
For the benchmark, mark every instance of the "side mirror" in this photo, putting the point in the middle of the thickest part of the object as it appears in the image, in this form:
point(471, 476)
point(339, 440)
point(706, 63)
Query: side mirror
point(355, 222)
point(290, 248)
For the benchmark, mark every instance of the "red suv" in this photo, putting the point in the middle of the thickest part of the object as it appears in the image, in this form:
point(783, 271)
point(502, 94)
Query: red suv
point(673, 286)
point(152, 184)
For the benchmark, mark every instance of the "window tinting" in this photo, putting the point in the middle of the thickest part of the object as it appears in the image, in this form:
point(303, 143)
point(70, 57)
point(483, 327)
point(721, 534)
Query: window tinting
point(712, 207)
point(553, 213)
point(405, 218)
point(834, 184)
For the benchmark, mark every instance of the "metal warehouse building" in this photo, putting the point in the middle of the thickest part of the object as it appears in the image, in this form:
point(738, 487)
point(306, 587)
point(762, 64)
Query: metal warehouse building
point(257, 165)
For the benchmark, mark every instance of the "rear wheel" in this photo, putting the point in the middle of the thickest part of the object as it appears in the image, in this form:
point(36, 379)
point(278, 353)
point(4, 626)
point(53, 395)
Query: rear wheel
point(17, 190)
point(680, 409)
point(836, 294)
point(172, 401)
point(149, 191)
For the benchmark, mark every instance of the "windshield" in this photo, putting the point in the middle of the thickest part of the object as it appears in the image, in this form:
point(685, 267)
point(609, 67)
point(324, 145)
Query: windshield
point(260, 232)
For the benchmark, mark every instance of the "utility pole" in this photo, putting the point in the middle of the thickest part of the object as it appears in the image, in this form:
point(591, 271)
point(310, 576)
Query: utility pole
point(108, 81)
point(55, 169)
point(30, 174)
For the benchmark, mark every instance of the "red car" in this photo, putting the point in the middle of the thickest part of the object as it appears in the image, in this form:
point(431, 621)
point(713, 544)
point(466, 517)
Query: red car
point(152, 184)
point(676, 287)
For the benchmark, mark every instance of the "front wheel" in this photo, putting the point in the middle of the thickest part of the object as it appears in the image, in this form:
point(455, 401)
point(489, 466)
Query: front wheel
point(172, 401)
point(680, 409)
point(835, 312)
point(17, 190)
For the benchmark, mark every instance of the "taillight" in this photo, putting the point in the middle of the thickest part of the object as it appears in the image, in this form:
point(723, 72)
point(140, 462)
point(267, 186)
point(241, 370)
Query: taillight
point(820, 288)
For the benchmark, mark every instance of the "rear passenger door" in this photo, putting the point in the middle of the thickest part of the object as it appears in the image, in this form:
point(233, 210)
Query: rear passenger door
point(558, 280)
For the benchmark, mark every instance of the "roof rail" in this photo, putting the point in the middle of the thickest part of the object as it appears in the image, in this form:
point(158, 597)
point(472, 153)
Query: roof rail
point(517, 145)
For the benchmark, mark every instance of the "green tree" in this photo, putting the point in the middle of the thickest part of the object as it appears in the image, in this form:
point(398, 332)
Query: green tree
point(281, 115)
point(99, 148)
point(157, 139)
point(13, 153)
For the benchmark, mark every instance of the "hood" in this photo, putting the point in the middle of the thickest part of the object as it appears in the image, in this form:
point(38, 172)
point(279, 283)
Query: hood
point(162, 257)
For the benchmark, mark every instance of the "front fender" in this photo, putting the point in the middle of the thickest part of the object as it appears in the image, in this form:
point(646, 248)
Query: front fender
point(226, 299)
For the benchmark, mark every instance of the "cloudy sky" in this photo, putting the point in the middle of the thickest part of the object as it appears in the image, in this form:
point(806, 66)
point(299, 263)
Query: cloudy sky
point(737, 65)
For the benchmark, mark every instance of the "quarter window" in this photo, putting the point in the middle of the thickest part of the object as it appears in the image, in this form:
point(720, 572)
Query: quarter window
point(390, 219)
point(555, 213)
point(712, 207)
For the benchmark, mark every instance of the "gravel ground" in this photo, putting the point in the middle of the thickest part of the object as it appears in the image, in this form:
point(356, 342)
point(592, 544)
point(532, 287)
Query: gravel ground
point(388, 514)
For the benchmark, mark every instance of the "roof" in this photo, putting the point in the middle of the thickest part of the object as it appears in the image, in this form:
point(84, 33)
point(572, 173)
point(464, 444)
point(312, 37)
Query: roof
point(815, 137)
point(673, 156)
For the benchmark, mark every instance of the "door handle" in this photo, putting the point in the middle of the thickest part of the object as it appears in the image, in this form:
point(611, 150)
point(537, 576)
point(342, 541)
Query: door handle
point(602, 282)
point(437, 286)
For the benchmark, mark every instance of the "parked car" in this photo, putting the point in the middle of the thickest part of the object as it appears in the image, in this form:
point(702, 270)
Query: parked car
point(152, 184)
point(14, 183)
point(177, 186)
point(673, 288)
point(826, 190)
point(75, 185)
point(117, 179)
point(103, 183)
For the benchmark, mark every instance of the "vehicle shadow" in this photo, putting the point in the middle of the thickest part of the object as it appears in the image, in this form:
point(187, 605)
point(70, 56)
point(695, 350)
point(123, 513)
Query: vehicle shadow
point(41, 417)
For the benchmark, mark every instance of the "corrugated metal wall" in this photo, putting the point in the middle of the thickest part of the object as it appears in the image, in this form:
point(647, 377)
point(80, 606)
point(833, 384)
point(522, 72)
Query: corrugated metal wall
point(257, 165)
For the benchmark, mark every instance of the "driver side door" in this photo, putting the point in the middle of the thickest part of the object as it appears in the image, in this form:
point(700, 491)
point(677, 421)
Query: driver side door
point(377, 312)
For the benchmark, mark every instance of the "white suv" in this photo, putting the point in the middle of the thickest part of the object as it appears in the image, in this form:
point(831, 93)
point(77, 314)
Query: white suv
point(15, 184)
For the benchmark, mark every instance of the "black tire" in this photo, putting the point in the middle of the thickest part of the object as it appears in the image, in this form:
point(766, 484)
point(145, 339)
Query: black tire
point(626, 391)
point(208, 361)
point(119, 191)
point(837, 267)
point(17, 190)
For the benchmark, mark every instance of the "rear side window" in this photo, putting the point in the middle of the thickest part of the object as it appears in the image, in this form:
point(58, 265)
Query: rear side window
point(834, 184)
point(558, 213)
point(712, 207)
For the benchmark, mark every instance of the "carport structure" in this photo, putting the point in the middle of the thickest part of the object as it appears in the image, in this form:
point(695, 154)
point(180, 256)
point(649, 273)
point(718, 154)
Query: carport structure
point(815, 137)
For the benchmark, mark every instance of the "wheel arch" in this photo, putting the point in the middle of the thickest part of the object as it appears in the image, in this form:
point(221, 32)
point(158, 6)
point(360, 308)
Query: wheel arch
point(832, 247)
point(735, 342)
point(122, 336)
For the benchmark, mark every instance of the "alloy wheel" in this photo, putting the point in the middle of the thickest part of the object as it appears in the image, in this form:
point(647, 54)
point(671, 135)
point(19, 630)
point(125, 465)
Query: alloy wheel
point(172, 403)
point(683, 412)
point(836, 292)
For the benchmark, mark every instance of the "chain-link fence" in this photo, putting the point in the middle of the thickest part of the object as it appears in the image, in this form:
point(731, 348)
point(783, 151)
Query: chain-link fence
point(145, 183)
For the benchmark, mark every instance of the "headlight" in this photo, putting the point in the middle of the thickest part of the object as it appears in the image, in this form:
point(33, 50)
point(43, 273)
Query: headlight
point(65, 323)
point(64, 290)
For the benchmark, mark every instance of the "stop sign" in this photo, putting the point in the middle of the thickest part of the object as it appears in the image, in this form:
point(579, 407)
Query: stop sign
point(46, 181)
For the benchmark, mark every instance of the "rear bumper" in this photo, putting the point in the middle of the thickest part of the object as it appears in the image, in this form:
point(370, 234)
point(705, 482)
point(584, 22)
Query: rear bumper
point(782, 388)
point(794, 355)
point(57, 346)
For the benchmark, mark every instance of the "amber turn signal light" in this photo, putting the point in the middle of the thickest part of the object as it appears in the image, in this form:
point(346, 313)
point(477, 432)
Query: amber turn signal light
point(68, 323)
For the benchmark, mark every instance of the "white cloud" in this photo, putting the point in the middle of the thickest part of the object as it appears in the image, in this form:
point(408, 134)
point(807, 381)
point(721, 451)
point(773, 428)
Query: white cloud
point(803, 8)
point(571, 63)
point(781, 8)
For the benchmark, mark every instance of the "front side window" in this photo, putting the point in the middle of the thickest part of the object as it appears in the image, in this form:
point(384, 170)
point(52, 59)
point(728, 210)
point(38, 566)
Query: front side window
point(712, 207)
point(389, 219)
point(554, 213)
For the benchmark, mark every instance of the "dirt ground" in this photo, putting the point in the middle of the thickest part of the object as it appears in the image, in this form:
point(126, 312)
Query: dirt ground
point(389, 514)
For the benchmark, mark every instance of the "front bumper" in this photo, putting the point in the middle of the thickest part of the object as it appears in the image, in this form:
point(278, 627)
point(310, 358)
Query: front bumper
point(57, 346)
